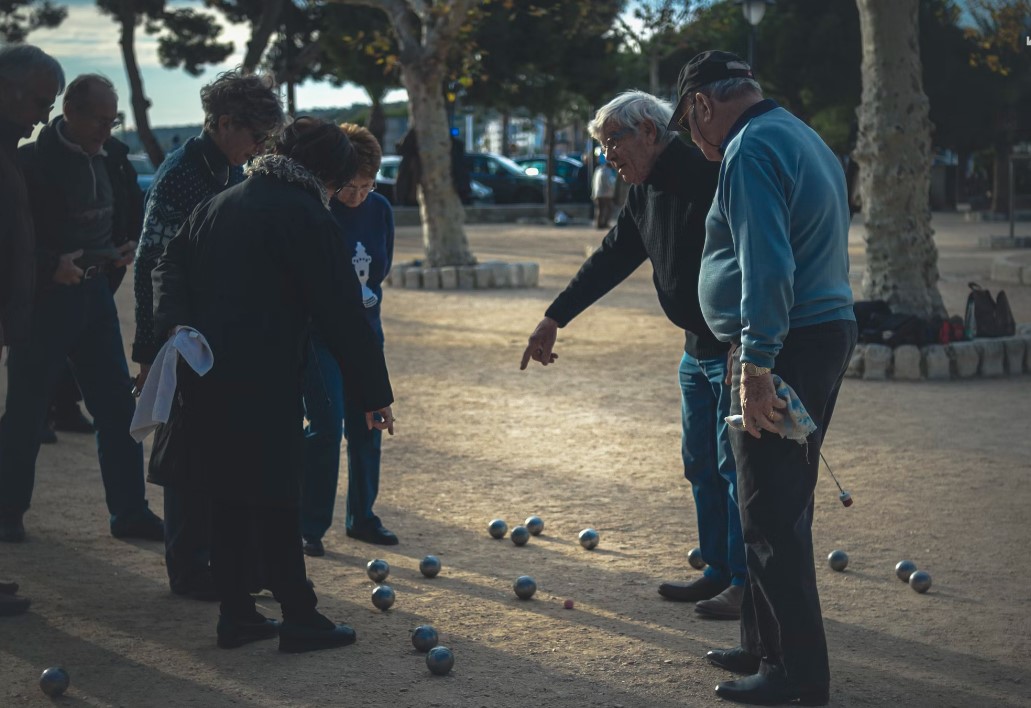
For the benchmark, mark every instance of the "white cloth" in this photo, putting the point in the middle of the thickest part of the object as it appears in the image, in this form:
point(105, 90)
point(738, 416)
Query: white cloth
point(155, 402)
point(795, 423)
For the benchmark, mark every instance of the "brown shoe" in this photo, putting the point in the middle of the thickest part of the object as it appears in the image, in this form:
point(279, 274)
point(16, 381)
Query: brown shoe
point(725, 606)
point(701, 589)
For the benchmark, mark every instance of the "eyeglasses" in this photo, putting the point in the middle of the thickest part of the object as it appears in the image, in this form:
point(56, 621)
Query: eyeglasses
point(612, 142)
point(106, 123)
point(350, 187)
point(259, 137)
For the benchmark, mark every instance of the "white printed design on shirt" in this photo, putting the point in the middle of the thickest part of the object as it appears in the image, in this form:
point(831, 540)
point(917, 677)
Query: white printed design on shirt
point(361, 262)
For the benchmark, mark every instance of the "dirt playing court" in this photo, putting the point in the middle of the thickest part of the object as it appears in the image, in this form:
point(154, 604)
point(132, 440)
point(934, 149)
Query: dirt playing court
point(939, 474)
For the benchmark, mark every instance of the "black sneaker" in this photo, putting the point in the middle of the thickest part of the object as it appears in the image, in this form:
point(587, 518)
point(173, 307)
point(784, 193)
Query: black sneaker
point(313, 634)
point(71, 420)
point(374, 534)
point(144, 524)
point(314, 548)
point(11, 528)
point(233, 633)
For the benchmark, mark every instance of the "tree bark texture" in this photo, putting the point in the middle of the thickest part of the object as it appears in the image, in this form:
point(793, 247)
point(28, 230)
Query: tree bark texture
point(137, 96)
point(549, 140)
point(894, 154)
point(271, 10)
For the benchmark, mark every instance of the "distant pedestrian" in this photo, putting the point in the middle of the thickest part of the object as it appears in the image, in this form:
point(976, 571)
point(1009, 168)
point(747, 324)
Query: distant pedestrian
point(603, 191)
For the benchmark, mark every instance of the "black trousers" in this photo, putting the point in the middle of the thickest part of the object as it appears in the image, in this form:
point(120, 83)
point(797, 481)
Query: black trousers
point(781, 619)
point(187, 536)
point(242, 533)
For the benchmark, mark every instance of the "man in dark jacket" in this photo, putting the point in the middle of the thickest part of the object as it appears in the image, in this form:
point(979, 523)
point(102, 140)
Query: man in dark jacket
point(29, 82)
point(664, 222)
point(86, 211)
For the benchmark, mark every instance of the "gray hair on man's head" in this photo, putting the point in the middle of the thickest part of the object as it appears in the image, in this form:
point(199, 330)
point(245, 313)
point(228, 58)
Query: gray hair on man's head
point(19, 61)
point(729, 89)
point(80, 87)
point(631, 108)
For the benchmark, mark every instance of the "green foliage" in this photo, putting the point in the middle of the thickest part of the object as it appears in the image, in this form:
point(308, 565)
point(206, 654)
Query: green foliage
point(191, 41)
point(359, 46)
point(20, 17)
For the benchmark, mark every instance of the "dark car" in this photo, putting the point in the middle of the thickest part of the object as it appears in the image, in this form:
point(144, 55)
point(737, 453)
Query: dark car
point(571, 170)
point(509, 181)
point(386, 183)
point(144, 171)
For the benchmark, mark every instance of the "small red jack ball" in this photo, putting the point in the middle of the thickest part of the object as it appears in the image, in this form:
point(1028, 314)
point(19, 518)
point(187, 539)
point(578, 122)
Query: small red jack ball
point(568, 604)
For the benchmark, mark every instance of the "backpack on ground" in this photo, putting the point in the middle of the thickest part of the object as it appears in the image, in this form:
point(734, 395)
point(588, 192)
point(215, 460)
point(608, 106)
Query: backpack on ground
point(987, 316)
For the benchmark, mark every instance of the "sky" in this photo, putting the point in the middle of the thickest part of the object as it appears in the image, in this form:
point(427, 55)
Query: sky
point(87, 42)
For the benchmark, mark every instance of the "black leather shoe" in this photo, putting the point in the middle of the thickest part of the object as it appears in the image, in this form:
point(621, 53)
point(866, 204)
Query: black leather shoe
point(11, 528)
point(313, 548)
point(199, 587)
point(374, 534)
point(737, 660)
point(11, 605)
point(233, 633)
point(702, 589)
point(144, 524)
point(771, 690)
point(71, 420)
point(313, 635)
point(8, 587)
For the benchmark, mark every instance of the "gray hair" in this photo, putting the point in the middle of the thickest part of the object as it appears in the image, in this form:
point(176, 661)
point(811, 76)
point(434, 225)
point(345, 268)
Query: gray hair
point(249, 99)
point(81, 86)
point(630, 109)
point(729, 89)
point(19, 61)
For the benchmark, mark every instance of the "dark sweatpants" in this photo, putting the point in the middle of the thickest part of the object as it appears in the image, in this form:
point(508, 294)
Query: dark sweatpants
point(780, 615)
point(240, 532)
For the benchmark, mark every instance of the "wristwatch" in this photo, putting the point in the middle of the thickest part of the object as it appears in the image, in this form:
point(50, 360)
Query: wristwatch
point(750, 369)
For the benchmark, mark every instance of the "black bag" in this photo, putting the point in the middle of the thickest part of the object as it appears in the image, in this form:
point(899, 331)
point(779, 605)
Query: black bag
point(987, 316)
point(868, 312)
point(168, 458)
point(896, 330)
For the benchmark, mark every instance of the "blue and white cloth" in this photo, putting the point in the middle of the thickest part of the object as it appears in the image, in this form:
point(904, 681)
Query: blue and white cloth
point(795, 423)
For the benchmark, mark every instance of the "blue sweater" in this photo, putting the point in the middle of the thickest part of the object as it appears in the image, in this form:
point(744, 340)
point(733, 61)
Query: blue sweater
point(776, 249)
point(369, 232)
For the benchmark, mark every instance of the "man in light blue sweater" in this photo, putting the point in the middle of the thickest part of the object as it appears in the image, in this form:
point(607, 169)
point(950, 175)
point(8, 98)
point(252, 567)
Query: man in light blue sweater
point(774, 283)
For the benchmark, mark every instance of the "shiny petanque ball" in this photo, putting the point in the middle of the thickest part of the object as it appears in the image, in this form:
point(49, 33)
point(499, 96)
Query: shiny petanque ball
point(920, 581)
point(520, 535)
point(534, 524)
point(589, 538)
point(378, 570)
point(695, 560)
point(439, 660)
point(429, 566)
point(837, 560)
point(383, 597)
point(54, 681)
point(904, 570)
point(524, 587)
point(498, 528)
point(424, 637)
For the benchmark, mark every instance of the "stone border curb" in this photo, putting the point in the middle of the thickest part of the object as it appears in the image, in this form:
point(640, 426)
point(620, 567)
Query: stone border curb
point(489, 275)
point(1008, 269)
point(1004, 356)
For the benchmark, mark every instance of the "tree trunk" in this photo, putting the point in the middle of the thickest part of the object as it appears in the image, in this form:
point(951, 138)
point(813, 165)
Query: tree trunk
point(959, 194)
point(1001, 179)
point(894, 154)
point(549, 141)
point(377, 119)
point(271, 10)
point(439, 207)
point(506, 122)
point(291, 98)
point(137, 97)
point(653, 73)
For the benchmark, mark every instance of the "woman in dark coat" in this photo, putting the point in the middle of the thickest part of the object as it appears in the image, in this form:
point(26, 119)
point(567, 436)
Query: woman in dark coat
point(251, 269)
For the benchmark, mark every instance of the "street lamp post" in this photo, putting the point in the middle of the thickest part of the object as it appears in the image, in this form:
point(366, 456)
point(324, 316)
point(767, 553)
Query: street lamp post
point(753, 10)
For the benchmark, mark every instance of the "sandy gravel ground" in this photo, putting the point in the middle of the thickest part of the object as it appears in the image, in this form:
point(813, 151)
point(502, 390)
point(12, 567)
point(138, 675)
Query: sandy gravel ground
point(938, 472)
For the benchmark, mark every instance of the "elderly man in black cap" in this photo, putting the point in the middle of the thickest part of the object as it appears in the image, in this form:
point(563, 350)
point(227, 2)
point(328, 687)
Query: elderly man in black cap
point(774, 283)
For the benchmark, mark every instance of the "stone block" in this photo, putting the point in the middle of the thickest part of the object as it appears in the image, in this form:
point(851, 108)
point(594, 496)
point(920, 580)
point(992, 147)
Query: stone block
point(448, 278)
point(992, 355)
point(876, 362)
point(431, 278)
point(1024, 330)
point(1025, 275)
point(1006, 271)
point(1015, 348)
point(533, 274)
point(483, 275)
point(907, 363)
point(855, 364)
point(466, 277)
point(938, 362)
point(502, 275)
point(966, 358)
point(518, 275)
point(413, 278)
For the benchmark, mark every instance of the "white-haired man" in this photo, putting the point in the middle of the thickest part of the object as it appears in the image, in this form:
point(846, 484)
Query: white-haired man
point(664, 221)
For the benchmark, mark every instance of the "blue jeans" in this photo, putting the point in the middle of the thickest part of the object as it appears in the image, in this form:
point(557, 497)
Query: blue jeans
point(77, 323)
point(332, 414)
point(709, 466)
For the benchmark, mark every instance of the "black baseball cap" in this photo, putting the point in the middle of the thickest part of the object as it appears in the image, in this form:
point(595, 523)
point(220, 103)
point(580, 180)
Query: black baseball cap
point(705, 68)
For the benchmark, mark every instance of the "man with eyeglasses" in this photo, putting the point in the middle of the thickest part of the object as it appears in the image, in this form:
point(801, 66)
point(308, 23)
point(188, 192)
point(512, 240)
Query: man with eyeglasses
point(775, 284)
point(240, 113)
point(663, 221)
point(86, 212)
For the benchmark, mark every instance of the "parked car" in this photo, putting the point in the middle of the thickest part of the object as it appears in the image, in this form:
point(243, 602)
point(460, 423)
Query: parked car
point(509, 181)
point(144, 171)
point(386, 183)
point(571, 170)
